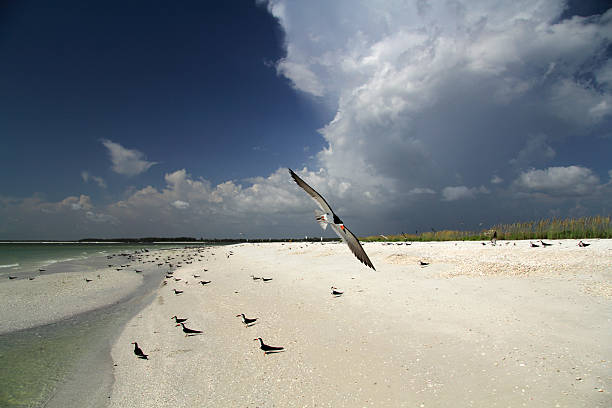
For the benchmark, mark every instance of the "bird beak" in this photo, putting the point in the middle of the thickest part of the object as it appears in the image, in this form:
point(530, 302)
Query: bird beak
point(237, 315)
point(177, 325)
point(255, 339)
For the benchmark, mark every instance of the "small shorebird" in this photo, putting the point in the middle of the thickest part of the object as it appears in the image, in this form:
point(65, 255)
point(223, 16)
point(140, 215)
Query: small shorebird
point(423, 263)
point(328, 217)
point(255, 277)
point(88, 280)
point(336, 292)
point(247, 322)
point(178, 320)
point(533, 245)
point(177, 292)
point(544, 244)
point(188, 331)
point(205, 282)
point(268, 349)
point(138, 352)
point(583, 244)
point(266, 279)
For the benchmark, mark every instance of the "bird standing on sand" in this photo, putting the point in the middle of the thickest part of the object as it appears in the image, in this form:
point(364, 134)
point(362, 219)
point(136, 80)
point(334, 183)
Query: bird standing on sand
point(246, 320)
point(178, 320)
point(177, 292)
point(268, 349)
point(423, 263)
point(188, 331)
point(335, 291)
point(205, 282)
point(138, 352)
point(328, 217)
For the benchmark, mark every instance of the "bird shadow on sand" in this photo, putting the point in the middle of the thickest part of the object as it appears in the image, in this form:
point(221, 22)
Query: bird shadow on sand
point(273, 352)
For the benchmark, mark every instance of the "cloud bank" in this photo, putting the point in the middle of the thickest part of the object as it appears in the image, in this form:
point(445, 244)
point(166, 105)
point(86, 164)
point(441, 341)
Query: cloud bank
point(445, 114)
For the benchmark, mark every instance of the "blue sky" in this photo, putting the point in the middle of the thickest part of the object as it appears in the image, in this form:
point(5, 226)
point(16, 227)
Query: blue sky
point(155, 118)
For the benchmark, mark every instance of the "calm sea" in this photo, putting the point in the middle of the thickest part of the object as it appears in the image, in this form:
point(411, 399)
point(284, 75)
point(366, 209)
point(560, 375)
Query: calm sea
point(19, 259)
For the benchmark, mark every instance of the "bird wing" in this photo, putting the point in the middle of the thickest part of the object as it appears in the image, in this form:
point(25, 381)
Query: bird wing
point(318, 198)
point(353, 243)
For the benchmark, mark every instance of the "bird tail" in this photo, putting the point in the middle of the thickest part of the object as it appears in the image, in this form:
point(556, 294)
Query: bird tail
point(321, 218)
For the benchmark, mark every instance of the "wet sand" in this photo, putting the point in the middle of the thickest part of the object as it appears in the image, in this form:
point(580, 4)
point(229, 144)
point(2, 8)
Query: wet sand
point(491, 326)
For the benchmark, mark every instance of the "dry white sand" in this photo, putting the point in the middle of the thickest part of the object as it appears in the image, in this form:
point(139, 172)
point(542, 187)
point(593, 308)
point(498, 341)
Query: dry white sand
point(480, 326)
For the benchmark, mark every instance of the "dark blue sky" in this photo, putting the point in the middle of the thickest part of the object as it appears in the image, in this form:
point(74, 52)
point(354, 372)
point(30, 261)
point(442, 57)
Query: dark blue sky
point(146, 118)
point(190, 84)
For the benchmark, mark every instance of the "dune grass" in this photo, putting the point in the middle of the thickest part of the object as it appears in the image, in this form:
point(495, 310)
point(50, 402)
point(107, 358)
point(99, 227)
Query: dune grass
point(549, 228)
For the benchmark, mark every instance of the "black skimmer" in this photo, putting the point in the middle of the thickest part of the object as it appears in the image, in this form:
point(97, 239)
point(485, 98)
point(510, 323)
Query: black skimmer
point(88, 280)
point(178, 320)
point(196, 276)
point(544, 244)
point(247, 322)
point(177, 292)
point(533, 245)
point(12, 277)
point(188, 331)
point(328, 217)
point(205, 282)
point(335, 291)
point(138, 352)
point(583, 244)
point(255, 277)
point(268, 349)
point(266, 279)
point(423, 263)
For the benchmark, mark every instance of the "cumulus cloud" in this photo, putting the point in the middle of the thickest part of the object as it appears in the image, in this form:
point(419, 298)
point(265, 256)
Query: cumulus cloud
point(181, 205)
point(125, 161)
point(98, 180)
point(558, 181)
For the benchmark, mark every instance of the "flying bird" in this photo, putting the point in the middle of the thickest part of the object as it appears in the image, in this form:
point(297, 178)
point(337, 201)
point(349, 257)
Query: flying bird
point(328, 217)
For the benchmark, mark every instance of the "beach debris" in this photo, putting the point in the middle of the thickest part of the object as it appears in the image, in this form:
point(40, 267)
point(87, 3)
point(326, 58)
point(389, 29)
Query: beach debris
point(247, 322)
point(138, 351)
point(327, 217)
point(268, 349)
point(188, 331)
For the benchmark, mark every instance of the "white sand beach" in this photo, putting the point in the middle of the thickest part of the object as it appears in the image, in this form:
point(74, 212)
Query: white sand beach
point(482, 326)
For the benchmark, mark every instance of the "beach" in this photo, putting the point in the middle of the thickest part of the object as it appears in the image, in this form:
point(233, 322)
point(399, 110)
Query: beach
point(481, 325)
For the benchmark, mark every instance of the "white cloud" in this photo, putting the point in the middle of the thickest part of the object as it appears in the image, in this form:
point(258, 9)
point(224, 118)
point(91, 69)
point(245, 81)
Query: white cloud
point(181, 205)
point(128, 162)
point(496, 179)
point(558, 181)
point(99, 180)
point(420, 190)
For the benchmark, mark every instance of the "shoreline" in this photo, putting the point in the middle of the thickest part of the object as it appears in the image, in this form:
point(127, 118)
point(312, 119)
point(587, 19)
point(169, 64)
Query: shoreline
point(530, 326)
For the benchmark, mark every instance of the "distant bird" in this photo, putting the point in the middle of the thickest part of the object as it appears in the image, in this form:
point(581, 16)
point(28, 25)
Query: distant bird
point(196, 276)
point(88, 280)
point(12, 277)
point(268, 349)
point(177, 292)
point(266, 279)
point(205, 282)
point(42, 270)
point(246, 320)
point(138, 271)
point(544, 244)
point(423, 263)
point(533, 245)
point(138, 352)
point(328, 217)
point(583, 244)
point(188, 331)
point(177, 279)
point(178, 320)
point(31, 278)
point(336, 292)
point(255, 277)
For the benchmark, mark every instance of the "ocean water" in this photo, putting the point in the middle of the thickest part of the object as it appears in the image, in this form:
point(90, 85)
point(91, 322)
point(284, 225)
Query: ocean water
point(59, 364)
point(21, 259)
